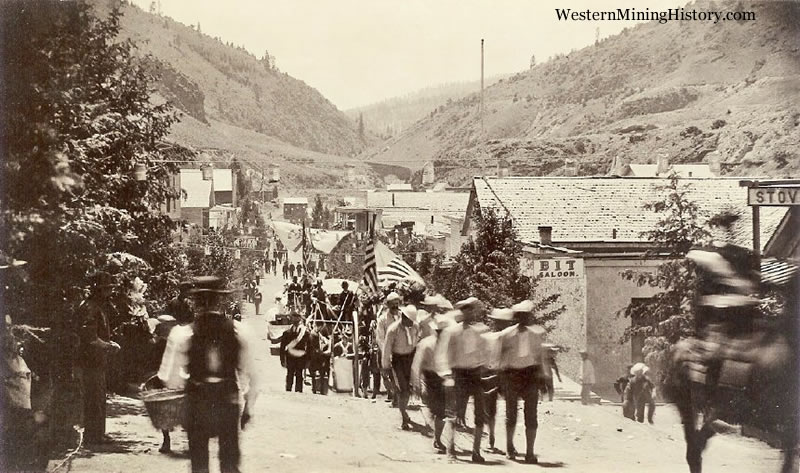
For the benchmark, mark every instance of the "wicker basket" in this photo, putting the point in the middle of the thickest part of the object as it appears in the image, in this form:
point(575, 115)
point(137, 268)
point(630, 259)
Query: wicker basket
point(166, 407)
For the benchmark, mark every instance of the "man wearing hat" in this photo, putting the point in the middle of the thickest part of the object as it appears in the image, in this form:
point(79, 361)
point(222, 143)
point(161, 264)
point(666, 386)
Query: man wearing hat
point(220, 368)
point(402, 337)
point(638, 394)
point(460, 357)
point(96, 345)
point(423, 373)
point(587, 377)
point(524, 362)
point(430, 306)
point(294, 346)
point(347, 301)
point(493, 378)
point(387, 317)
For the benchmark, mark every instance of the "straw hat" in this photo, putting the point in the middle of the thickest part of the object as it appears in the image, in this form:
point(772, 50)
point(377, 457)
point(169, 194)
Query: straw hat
point(209, 285)
point(506, 315)
point(393, 296)
point(455, 314)
point(525, 306)
point(468, 302)
point(442, 321)
point(410, 311)
point(639, 368)
point(437, 300)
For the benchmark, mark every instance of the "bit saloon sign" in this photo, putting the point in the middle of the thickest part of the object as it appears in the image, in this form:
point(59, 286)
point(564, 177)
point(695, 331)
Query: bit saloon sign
point(559, 268)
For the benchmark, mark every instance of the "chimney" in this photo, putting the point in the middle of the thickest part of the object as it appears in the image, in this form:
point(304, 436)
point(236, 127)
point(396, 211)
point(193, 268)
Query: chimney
point(615, 168)
point(546, 235)
point(715, 163)
point(662, 166)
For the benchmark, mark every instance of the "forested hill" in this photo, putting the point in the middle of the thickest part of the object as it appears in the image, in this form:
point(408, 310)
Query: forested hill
point(687, 92)
point(217, 82)
point(390, 117)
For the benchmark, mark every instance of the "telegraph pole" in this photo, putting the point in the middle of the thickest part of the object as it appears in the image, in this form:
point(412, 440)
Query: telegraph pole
point(481, 88)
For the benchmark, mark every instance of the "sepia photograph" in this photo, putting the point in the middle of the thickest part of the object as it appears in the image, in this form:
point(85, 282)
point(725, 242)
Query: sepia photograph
point(400, 236)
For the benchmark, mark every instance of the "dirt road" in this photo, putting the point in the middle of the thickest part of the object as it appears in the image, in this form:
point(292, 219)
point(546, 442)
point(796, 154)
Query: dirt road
point(294, 432)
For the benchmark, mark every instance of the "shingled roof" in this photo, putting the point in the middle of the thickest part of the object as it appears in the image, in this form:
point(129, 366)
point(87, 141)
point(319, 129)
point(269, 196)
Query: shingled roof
point(447, 202)
point(607, 209)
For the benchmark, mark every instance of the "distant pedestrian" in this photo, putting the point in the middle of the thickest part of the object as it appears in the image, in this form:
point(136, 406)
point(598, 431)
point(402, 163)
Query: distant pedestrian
point(257, 298)
point(622, 382)
point(639, 394)
point(285, 270)
point(274, 267)
point(291, 270)
point(587, 378)
point(551, 353)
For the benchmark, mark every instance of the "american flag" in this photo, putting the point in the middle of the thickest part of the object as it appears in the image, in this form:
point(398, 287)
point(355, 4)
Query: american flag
point(396, 270)
point(370, 264)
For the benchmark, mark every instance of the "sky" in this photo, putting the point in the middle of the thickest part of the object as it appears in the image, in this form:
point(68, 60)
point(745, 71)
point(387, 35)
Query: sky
point(358, 52)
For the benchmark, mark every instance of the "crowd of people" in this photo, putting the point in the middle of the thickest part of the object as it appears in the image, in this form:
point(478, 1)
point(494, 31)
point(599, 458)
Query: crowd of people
point(445, 353)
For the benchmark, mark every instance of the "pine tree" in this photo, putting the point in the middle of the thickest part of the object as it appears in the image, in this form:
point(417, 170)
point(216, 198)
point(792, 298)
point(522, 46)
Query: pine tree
point(667, 317)
point(77, 118)
point(318, 213)
point(488, 268)
point(361, 126)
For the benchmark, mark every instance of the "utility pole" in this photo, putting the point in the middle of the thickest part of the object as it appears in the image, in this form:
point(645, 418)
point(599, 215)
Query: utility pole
point(481, 88)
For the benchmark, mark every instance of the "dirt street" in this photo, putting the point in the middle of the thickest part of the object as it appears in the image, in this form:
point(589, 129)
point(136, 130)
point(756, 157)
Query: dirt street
point(293, 432)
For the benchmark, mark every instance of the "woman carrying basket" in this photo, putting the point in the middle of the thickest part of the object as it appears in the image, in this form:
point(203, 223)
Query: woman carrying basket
point(172, 372)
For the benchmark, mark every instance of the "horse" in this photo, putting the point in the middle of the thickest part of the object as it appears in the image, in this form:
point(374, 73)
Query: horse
point(741, 368)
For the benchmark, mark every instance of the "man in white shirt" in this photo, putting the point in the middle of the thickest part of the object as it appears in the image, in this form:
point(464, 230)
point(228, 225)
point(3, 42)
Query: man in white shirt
point(493, 378)
point(460, 357)
point(423, 373)
point(220, 367)
point(398, 354)
point(387, 317)
point(523, 359)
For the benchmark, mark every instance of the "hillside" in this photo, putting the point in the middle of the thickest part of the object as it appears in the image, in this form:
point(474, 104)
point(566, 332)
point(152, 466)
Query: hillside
point(685, 91)
point(217, 82)
point(389, 118)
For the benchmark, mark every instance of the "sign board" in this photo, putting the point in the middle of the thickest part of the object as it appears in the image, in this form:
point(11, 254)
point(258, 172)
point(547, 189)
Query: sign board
point(246, 242)
point(773, 196)
point(558, 268)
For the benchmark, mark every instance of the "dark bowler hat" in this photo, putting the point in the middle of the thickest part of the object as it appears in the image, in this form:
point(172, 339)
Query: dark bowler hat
point(100, 279)
point(208, 284)
point(185, 285)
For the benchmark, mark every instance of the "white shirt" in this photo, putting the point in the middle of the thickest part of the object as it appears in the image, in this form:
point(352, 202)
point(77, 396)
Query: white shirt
point(173, 370)
point(461, 346)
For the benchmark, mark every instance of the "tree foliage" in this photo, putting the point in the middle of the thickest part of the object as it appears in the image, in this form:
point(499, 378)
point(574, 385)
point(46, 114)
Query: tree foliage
point(78, 115)
point(488, 267)
point(667, 317)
